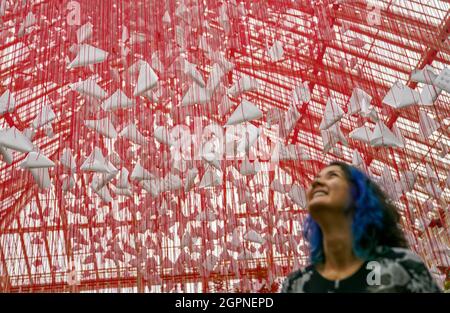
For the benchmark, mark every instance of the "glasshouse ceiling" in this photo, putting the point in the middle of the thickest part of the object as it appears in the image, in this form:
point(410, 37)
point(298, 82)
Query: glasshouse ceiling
point(167, 145)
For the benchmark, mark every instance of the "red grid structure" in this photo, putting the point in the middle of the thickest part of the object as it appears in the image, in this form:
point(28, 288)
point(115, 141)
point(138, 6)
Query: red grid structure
point(48, 235)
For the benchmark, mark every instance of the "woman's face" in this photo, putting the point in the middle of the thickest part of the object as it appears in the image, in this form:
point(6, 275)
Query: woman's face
point(330, 190)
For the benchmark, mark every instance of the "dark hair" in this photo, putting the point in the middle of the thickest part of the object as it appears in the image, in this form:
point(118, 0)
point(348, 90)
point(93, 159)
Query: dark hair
point(375, 219)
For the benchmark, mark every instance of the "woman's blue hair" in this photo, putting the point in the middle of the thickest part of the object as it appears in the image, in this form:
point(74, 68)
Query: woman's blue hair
point(375, 219)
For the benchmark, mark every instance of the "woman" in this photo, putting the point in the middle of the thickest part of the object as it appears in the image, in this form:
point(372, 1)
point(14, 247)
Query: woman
point(355, 242)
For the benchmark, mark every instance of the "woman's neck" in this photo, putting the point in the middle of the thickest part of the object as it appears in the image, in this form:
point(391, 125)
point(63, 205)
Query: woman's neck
point(338, 245)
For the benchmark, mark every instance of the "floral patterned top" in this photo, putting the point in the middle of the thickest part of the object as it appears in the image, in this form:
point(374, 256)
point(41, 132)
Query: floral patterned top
point(392, 270)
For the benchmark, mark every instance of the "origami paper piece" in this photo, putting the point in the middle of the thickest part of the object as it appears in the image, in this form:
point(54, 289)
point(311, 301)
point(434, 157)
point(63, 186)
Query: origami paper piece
point(431, 174)
point(163, 136)
point(357, 159)
point(427, 124)
point(434, 190)
point(166, 18)
point(253, 236)
point(122, 180)
point(400, 96)
point(214, 79)
point(45, 116)
point(246, 111)
point(292, 152)
point(190, 179)
point(363, 133)
point(103, 127)
point(425, 75)
point(277, 186)
point(84, 32)
point(13, 139)
point(203, 45)
point(383, 137)
point(88, 55)
point(132, 133)
point(147, 79)
point(7, 155)
point(118, 100)
point(398, 134)
point(95, 162)
point(331, 114)
point(42, 177)
point(67, 183)
point(210, 179)
point(291, 118)
point(301, 93)
point(29, 21)
point(89, 88)
point(429, 94)
point(68, 160)
point(276, 52)
point(196, 95)
point(245, 84)
point(359, 101)
point(248, 168)
point(443, 80)
point(104, 194)
point(37, 160)
point(407, 180)
point(210, 262)
point(217, 57)
point(140, 173)
point(248, 138)
point(172, 183)
point(298, 195)
point(332, 136)
point(225, 105)
point(192, 72)
point(7, 102)
point(152, 186)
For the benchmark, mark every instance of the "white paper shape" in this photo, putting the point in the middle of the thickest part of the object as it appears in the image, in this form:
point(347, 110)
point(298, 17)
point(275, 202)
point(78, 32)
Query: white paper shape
point(37, 160)
point(42, 177)
point(301, 93)
point(122, 180)
point(117, 100)
point(398, 134)
point(248, 138)
point(431, 174)
point(7, 102)
point(191, 71)
point(166, 18)
point(30, 20)
point(429, 94)
point(103, 127)
point(332, 136)
point(443, 80)
point(245, 84)
point(147, 79)
point(217, 57)
point(298, 195)
point(196, 95)
point(163, 136)
point(13, 139)
point(172, 182)
point(253, 236)
point(277, 186)
point(248, 168)
point(211, 179)
point(400, 96)
point(427, 124)
point(291, 118)
point(67, 183)
point(84, 32)
point(407, 180)
point(434, 190)
point(276, 52)
point(363, 133)
point(331, 114)
point(210, 262)
point(425, 75)
point(359, 102)
point(190, 179)
point(45, 116)
point(95, 162)
point(292, 152)
point(383, 137)
point(7, 155)
point(88, 55)
point(104, 194)
point(68, 160)
point(89, 88)
point(246, 111)
point(140, 173)
point(214, 79)
point(132, 133)
point(225, 105)
point(357, 159)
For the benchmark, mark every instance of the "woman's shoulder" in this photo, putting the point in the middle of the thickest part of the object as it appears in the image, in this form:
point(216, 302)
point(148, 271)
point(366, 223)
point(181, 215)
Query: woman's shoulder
point(397, 254)
point(296, 280)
